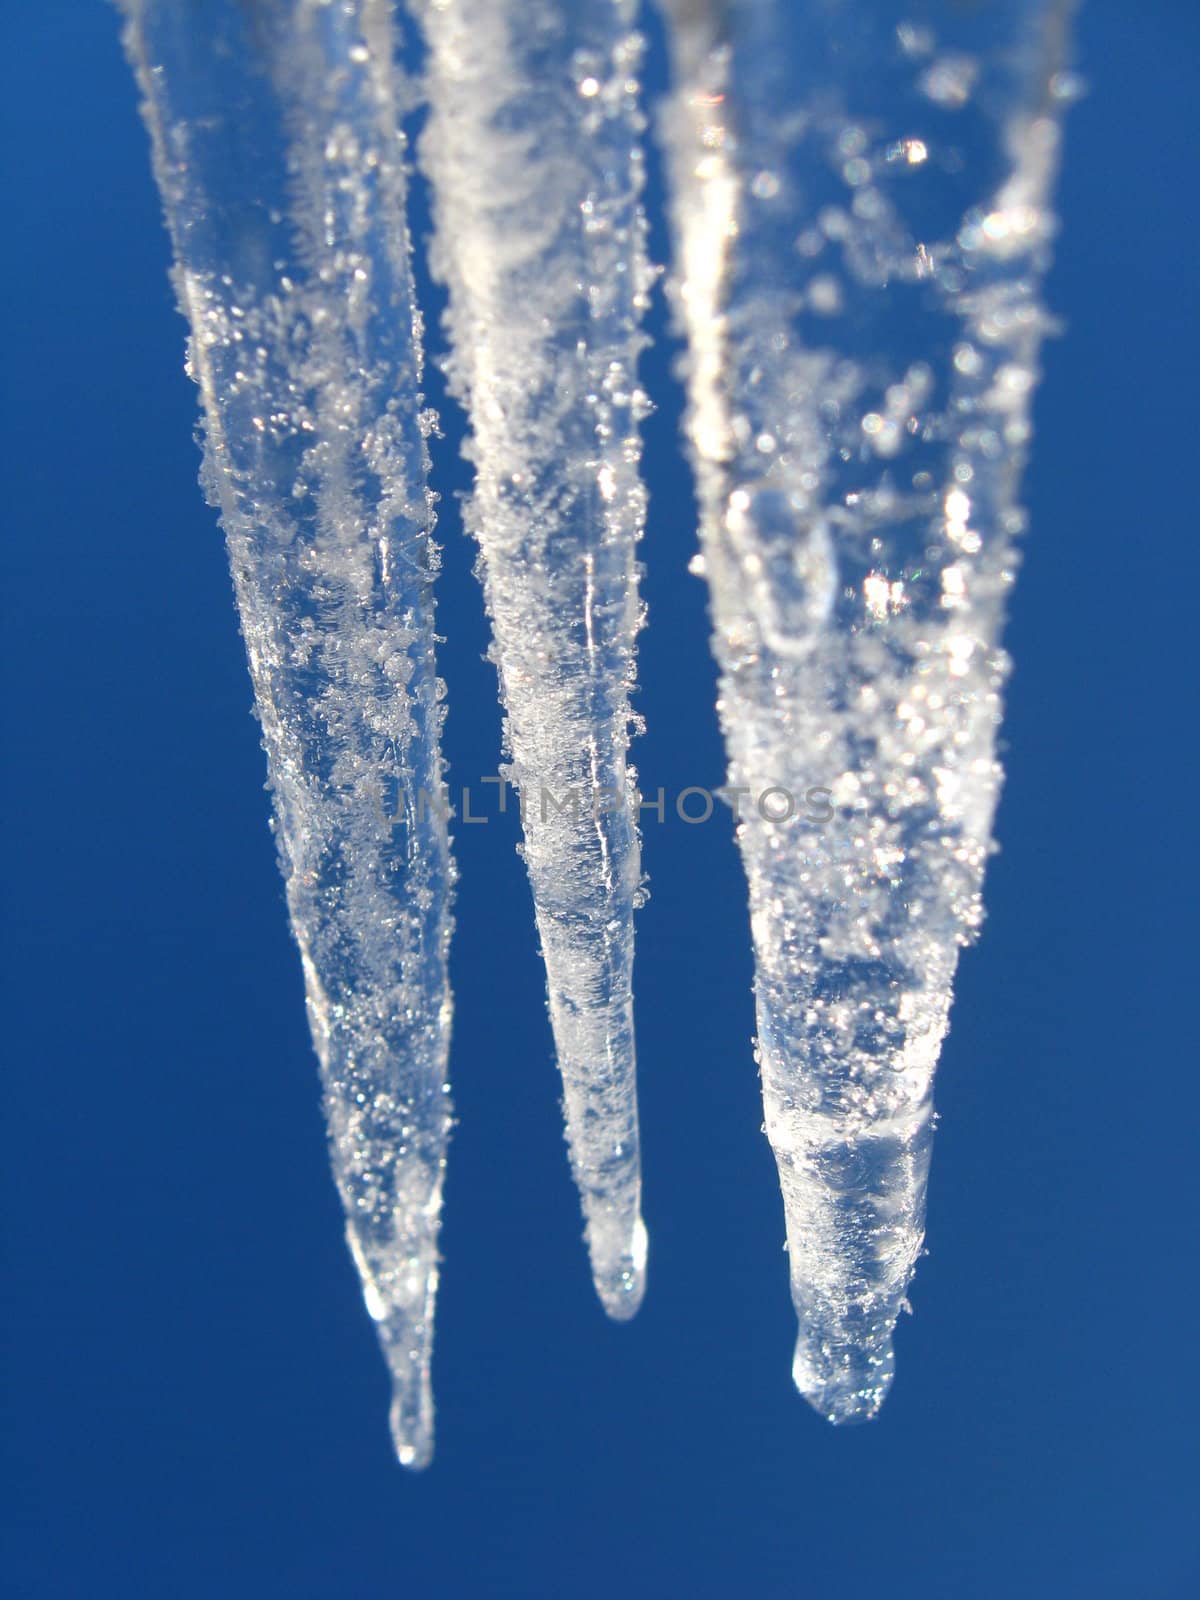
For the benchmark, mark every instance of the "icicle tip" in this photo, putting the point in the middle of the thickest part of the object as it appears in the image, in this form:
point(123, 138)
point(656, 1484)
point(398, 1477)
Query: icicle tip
point(411, 1419)
point(845, 1384)
point(620, 1279)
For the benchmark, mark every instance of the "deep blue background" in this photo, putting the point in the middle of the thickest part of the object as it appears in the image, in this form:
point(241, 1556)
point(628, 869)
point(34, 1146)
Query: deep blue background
point(194, 1401)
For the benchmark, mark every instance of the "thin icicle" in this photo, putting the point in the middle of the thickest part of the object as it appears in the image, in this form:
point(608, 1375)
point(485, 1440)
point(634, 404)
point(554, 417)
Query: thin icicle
point(861, 217)
point(277, 151)
point(531, 150)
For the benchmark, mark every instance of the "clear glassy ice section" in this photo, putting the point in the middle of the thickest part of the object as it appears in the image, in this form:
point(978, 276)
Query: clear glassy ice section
point(532, 154)
point(278, 154)
point(861, 214)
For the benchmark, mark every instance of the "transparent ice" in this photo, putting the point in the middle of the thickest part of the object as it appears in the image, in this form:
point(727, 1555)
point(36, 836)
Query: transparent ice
point(861, 218)
point(532, 154)
point(859, 192)
point(278, 155)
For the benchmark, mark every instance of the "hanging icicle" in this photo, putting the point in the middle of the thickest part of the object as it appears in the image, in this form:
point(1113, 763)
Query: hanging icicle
point(278, 154)
point(862, 224)
point(532, 154)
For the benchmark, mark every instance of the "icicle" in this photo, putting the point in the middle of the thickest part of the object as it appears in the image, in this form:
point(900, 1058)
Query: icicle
point(277, 151)
point(531, 151)
point(862, 225)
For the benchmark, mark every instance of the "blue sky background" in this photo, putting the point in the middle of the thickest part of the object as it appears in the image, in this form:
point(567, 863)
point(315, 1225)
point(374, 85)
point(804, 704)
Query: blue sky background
point(194, 1404)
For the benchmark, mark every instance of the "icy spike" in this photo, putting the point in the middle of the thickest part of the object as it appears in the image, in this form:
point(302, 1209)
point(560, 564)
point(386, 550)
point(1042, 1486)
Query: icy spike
point(861, 214)
point(280, 161)
point(531, 150)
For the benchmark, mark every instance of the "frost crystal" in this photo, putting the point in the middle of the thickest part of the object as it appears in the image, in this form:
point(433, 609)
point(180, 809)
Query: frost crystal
point(861, 227)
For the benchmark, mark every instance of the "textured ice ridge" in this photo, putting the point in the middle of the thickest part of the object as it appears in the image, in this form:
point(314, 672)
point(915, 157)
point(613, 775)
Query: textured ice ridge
point(531, 150)
point(280, 162)
point(860, 208)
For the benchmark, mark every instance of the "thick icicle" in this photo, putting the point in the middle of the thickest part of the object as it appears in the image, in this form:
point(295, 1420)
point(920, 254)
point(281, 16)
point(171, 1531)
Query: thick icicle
point(532, 155)
point(277, 151)
point(861, 221)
